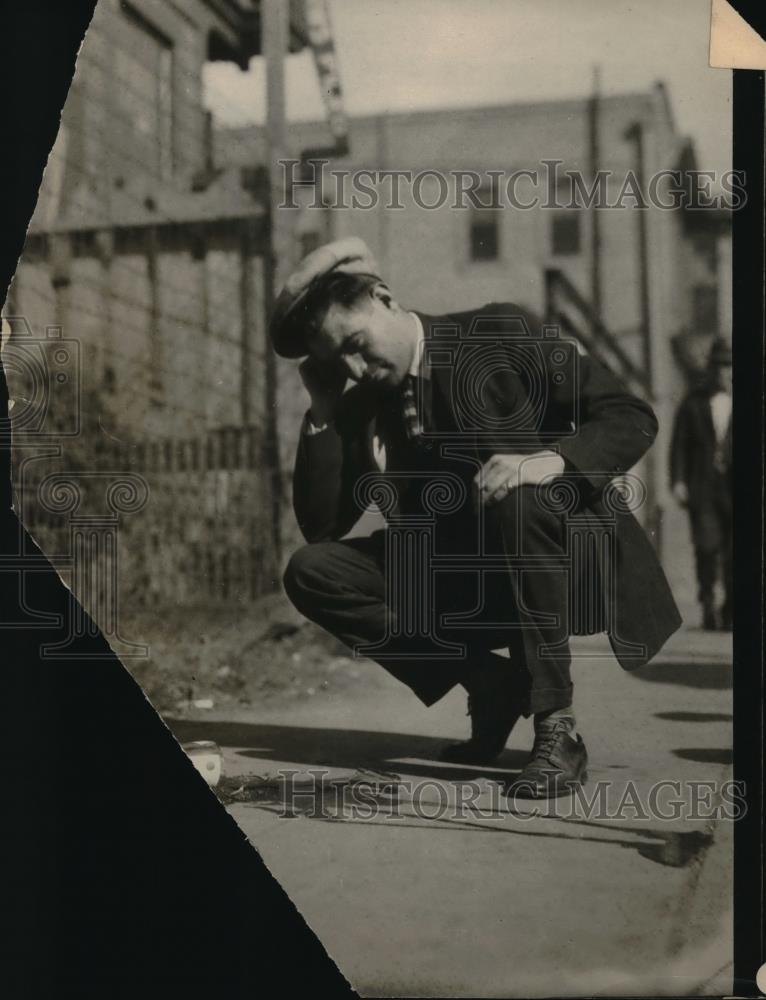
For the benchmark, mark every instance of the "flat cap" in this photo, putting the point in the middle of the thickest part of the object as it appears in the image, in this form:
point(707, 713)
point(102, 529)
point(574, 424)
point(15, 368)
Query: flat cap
point(349, 255)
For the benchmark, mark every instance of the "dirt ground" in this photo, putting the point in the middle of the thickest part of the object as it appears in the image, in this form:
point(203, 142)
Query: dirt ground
point(221, 657)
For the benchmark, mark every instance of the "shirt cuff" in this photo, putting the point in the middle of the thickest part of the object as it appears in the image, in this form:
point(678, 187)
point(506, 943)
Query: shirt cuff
point(310, 428)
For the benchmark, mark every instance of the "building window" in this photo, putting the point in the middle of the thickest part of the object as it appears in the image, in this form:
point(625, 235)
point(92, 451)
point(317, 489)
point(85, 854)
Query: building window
point(484, 231)
point(704, 309)
point(165, 111)
point(143, 67)
point(485, 244)
point(565, 232)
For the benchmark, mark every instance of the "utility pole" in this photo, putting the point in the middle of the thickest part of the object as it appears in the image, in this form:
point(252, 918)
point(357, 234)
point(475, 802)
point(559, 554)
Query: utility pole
point(594, 156)
point(652, 476)
point(636, 134)
point(275, 32)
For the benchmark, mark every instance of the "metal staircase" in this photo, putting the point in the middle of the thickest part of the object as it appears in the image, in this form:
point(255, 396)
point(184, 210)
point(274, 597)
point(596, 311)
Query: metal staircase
point(568, 309)
point(577, 319)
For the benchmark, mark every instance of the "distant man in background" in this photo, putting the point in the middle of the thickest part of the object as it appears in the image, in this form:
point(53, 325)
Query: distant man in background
point(700, 474)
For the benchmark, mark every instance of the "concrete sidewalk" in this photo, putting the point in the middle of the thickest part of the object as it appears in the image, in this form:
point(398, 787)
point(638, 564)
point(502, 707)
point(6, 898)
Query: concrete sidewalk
point(423, 899)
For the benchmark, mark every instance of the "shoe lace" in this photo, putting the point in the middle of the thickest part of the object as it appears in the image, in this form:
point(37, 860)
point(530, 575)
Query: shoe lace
point(547, 740)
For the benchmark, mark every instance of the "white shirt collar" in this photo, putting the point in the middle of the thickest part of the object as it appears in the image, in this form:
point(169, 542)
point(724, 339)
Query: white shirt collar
point(417, 357)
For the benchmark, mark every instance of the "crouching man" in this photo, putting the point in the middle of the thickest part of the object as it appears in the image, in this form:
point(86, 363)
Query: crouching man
point(490, 450)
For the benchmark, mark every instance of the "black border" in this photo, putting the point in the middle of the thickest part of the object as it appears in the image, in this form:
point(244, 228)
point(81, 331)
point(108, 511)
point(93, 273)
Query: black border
point(748, 341)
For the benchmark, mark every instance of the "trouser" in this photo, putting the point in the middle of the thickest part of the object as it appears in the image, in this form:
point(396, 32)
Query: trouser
point(712, 534)
point(345, 587)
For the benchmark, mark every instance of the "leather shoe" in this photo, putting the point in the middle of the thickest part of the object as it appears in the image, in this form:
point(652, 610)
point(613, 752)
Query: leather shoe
point(494, 710)
point(558, 762)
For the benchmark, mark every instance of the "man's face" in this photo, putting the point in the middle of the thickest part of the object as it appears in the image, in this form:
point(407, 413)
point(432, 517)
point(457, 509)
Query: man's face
point(373, 340)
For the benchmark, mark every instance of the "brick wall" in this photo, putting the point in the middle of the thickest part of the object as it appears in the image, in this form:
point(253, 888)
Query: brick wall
point(186, 513)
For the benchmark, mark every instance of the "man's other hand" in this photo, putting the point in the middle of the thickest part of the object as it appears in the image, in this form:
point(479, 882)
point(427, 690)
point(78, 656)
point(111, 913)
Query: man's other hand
point(503, 473)
point(324, 383)
point(681, 494)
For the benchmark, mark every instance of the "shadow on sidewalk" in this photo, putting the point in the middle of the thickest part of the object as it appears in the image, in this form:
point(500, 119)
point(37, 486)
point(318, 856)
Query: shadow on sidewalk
point(706, 755)
point(360, 750)
point(709, 675)
point(342, 748)
point(694, 716)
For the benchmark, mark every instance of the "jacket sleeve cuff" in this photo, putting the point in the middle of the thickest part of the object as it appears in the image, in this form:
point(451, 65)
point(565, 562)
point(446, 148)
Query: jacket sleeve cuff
point(590, 482)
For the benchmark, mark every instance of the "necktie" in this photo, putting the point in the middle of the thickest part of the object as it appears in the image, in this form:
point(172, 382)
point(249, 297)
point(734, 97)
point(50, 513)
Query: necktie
point(413, 424)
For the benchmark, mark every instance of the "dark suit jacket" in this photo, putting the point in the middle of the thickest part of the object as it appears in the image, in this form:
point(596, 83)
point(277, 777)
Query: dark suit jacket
point(693, 449)
point(533, 394)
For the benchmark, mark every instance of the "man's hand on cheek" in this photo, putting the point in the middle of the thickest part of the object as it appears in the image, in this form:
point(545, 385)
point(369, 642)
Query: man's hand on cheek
point(324, 382)
point(504, 473)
